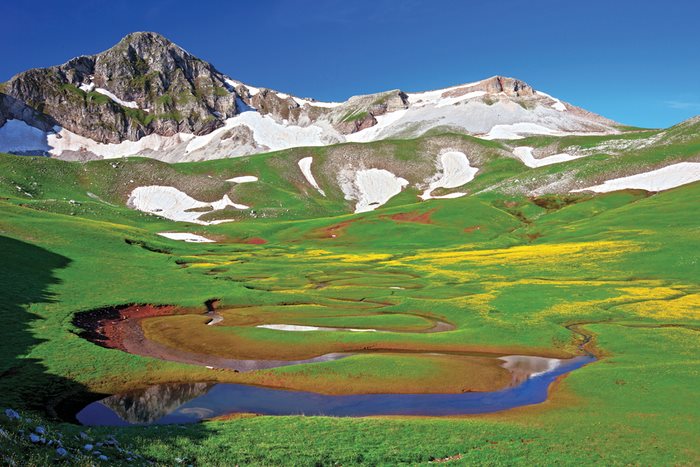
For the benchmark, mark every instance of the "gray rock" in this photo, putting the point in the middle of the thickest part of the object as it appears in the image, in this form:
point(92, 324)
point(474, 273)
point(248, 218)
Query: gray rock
point(12, 414)
point(40, 430)
point(88, 447)
point(61, 452)
point(180, 92)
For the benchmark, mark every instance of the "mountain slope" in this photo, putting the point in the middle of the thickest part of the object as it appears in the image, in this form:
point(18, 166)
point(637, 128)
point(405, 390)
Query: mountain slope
point(147, 96)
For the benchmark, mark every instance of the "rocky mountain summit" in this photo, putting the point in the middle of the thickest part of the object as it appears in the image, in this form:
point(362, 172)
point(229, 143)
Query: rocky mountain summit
point(147, 96)
point(145, 84)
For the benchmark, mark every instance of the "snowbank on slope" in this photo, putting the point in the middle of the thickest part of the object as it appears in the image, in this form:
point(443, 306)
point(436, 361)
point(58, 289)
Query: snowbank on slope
point(456, 171)
point(518, 130)
point(372, 188)
point(372, 133)
point(65, 140)
point(243, 179)
point(420, 99)
point(17, 136)
point(557, 105)
point(524, 153)
point(187, 237)
point(655, 180)
point(305, 166)
point(173, 204)
point(267, 133)
point(130, 104)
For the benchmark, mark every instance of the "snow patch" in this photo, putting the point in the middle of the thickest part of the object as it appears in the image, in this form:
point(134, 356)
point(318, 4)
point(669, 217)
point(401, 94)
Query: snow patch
point(87, 87)
point(234, 84)
point(524, 153)
point(420, 99)
point(656, 180)
point(130, 104)
point(187, 237)
point(65, 140)
point(372, 133)
point(267, 132)
point(445, 101)
point(456, 171)
point(372, 188)
point(327, 105)
point(243, 179)
point(305, 166)
point(519, 130)
point(173, 204)
point(557, 105)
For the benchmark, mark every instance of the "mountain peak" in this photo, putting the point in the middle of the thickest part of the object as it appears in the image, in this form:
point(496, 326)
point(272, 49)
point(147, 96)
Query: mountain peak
point(147, 40)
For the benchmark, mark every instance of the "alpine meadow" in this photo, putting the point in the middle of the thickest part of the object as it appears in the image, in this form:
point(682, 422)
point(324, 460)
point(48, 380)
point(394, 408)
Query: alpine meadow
point(198, 271)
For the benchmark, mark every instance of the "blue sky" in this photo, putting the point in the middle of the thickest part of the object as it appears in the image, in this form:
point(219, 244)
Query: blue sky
point(637, 62)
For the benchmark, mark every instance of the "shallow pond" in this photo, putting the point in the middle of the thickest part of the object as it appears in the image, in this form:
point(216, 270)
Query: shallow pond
point(188, 403)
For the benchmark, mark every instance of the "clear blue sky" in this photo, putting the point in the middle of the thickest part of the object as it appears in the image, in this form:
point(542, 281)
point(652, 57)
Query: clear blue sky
point(637, 62)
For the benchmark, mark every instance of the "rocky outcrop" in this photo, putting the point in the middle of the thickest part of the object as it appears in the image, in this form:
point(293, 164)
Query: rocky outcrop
point(14, 109)
point(145, 84)
point(360, 112)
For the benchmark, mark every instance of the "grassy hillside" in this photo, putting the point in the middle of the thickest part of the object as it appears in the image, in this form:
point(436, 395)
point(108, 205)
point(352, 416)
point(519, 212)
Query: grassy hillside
point(511, 270)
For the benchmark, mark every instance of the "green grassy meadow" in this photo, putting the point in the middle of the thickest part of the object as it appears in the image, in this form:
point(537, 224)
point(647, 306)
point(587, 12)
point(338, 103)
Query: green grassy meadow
point(509, 271)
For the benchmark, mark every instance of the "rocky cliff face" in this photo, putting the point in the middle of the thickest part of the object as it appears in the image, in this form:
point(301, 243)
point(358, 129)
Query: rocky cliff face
point(145, 84)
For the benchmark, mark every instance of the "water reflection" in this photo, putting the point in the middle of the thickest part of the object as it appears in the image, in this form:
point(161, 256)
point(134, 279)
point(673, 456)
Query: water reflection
point(145, 406)
point(188, 403)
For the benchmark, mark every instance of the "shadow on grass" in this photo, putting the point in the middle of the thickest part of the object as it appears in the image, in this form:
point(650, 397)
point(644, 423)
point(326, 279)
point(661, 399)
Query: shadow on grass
point(26, 275)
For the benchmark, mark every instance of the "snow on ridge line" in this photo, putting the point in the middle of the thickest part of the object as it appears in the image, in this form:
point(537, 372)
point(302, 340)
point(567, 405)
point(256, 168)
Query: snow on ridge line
point(435, 95)
point(524, 153)
point(372, 188)
point(305, 167)
point(665, 178)
point(243, 179)
point(252, 90)
point(173, 204)
point(456, 171)
point(187, 237)
point(557, 105)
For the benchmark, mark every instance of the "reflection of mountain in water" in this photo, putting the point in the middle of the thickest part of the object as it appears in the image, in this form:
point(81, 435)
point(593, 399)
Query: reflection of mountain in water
point(150, 404)
point(523, 367)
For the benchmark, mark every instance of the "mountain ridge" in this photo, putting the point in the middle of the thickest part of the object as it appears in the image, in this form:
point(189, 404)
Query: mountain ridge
point(148, 96)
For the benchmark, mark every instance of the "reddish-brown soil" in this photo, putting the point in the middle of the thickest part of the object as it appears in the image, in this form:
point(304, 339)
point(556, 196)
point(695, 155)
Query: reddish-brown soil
point(332, 231)
point(255, 241)
point(417, 217)
point(114, 328)
point(472, 229)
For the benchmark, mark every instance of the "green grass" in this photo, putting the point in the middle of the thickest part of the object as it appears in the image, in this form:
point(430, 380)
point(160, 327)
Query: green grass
point(509, 271)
